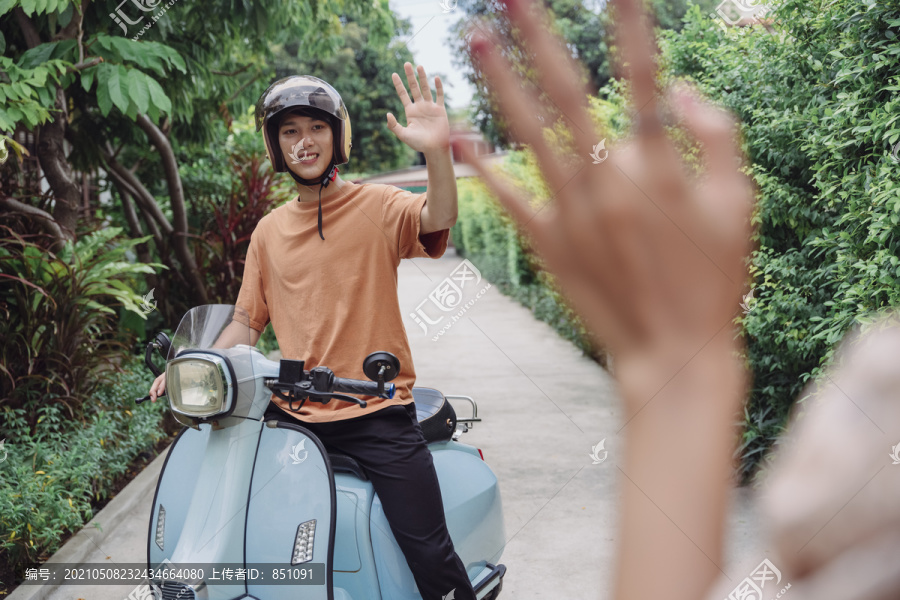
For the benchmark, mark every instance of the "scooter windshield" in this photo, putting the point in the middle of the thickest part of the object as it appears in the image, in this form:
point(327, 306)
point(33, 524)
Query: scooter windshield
point(221, 330)
point(211, 326)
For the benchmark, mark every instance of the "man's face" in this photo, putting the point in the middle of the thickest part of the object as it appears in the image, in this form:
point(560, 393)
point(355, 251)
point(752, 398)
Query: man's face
point(317, 144)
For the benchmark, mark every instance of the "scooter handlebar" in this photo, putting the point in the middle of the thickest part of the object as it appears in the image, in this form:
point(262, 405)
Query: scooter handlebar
point(366, 388)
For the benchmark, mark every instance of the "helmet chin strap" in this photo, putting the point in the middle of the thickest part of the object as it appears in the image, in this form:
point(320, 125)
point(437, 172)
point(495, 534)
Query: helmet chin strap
point(327, 176)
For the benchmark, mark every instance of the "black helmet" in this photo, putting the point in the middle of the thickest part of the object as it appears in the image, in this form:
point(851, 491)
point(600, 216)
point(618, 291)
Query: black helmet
point(302, 91)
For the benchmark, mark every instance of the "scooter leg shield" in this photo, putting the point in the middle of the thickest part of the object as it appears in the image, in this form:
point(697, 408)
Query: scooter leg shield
point(179, 475)
point(291, 516)
point(199, 508)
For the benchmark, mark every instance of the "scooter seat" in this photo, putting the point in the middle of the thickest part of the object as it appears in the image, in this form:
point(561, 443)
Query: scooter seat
point(436, 416)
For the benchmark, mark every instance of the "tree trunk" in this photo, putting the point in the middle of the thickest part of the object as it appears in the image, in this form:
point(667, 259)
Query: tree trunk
point(179, 215)
point(52, 156)
point(43, 219)
point(50, 151)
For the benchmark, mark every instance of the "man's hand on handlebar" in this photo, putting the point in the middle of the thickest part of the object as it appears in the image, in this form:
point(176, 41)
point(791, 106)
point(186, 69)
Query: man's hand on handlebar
point(158, 388)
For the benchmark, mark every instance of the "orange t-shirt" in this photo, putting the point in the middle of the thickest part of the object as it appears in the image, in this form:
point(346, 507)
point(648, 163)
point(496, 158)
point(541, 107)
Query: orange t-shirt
point(332, 302)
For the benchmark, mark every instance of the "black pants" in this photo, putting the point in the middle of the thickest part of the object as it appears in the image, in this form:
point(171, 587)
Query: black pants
point(389, 445)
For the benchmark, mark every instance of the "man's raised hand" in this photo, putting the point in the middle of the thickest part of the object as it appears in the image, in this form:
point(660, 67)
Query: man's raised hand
point(427, 127)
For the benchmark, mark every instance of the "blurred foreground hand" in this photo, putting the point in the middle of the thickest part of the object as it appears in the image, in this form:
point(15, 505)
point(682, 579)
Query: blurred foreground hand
point(653, 257)
point(833, 498)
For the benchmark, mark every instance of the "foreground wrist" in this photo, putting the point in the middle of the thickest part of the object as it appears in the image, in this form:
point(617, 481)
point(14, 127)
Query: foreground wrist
point(717, 367)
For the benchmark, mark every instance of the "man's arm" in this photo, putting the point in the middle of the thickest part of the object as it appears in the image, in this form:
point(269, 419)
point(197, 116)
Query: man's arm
point(428, 131)
point(237, 333)
point(440, 209)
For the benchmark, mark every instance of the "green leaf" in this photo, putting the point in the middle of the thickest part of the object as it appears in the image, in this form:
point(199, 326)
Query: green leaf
point(38, 78)
point(178, 61)
point(28, 6)
point(153, 113)
point(6, 6)
point(158, 97)
point(66, 15)
point(37, 55)
point(87, 78)
point(128, 49)
point(65, 50)
point(117, 87)
point(104, 40)
point(104, 102)
point(151, 54)
point(138, 90)
point(6, 124)
point(45, 96)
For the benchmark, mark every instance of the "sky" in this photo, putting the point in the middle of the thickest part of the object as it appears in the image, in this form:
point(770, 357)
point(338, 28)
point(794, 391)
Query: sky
point(428, 43)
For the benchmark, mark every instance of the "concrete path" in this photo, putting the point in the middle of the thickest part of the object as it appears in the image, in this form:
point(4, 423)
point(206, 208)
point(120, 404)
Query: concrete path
point(544, 405)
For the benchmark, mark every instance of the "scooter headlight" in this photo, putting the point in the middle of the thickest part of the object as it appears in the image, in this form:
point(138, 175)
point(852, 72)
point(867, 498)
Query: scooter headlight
point(199, 385)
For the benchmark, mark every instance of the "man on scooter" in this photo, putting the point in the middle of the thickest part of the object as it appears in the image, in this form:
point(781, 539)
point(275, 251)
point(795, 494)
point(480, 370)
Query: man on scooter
point(323, 270)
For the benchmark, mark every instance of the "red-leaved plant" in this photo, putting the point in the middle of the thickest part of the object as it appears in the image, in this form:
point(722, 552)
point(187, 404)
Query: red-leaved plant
point(255, 190)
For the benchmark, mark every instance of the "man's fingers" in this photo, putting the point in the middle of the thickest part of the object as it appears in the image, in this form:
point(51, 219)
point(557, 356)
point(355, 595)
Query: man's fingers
point(439, 90)
point(634, 36)
point(423, 84)
point(392, 123)
point(865, 571)
point(413, 84)
point(559, 77)
point(715, 130)
point(158, 387)
point(520, 108)
point(401, 90)
point(717, 133)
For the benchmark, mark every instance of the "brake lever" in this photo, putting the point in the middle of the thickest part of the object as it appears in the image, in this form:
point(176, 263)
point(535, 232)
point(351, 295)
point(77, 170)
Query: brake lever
point(147, 397)
point(339, 396)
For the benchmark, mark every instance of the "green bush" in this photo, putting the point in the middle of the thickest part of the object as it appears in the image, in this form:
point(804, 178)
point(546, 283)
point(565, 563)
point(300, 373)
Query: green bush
point(64, 396)
point(267, 341)
point(58, 467)
point(231, 189)
point(820, 109)
point(59, 332)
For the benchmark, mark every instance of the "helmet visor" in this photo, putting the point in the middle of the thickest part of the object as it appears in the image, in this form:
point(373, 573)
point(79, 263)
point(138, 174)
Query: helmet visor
point(299, 91)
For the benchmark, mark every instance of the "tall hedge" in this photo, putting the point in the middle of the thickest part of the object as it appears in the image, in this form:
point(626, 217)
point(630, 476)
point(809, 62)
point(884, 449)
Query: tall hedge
point(817, 94)
point(818, 99)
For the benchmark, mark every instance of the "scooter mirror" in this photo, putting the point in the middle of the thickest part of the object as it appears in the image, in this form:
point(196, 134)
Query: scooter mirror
point(160, 342)
point(165, 344)
point(382, 364)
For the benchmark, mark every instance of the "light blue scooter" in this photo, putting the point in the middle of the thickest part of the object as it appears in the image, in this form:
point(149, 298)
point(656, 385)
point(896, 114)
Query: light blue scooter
point(240, 491)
